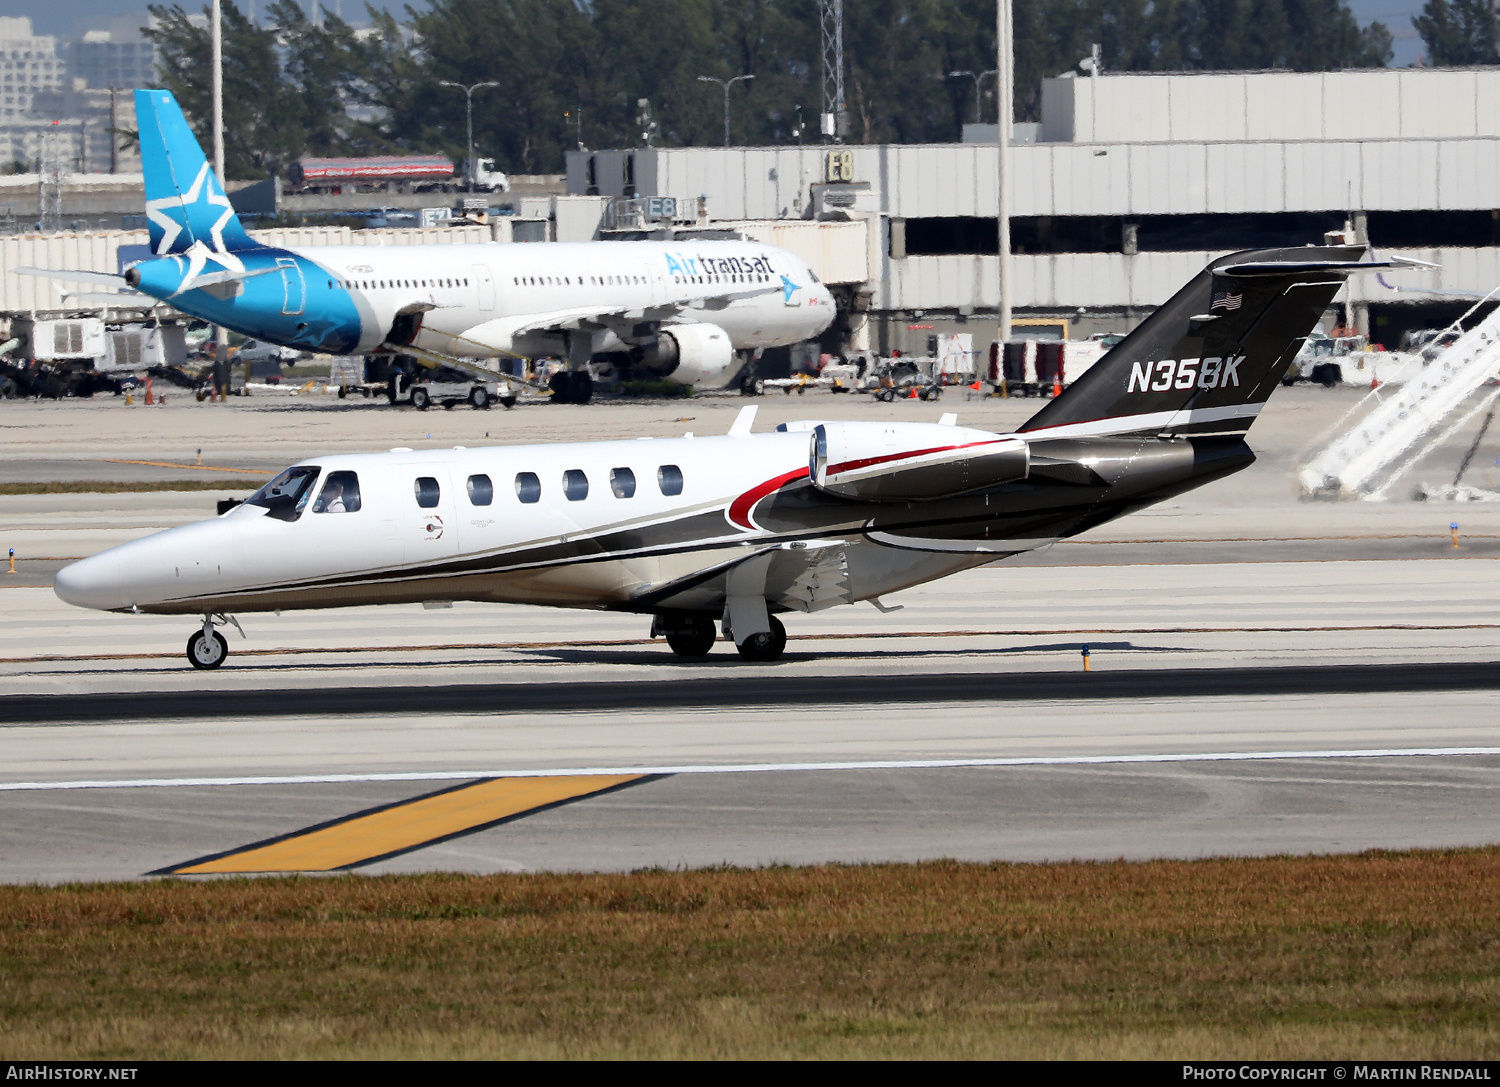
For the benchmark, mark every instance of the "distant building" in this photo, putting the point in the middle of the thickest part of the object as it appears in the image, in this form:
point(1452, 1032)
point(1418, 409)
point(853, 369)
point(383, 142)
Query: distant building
point(118, 57)
point(29, 65)
point(1130, 185)
point(60, 103)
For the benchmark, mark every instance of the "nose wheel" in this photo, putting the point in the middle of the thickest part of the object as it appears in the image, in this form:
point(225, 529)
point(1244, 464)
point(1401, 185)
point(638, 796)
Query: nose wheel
point(207, 649)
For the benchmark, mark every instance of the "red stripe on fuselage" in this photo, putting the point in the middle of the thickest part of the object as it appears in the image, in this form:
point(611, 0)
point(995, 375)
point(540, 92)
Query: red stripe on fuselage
point(739, 509)
point(855, 465)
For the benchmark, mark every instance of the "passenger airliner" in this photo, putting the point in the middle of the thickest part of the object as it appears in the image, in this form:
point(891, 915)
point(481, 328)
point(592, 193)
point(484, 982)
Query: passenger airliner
point(744, 527)
point(687, 309)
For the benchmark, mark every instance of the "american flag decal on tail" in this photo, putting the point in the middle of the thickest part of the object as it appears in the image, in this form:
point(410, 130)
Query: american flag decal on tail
point(1226, 301)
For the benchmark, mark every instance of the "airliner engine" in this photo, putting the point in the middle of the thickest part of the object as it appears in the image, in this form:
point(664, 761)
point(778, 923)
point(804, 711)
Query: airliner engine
point(903, 462)
point(699, 355)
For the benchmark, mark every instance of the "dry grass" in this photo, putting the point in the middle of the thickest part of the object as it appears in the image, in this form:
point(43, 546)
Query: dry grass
point(117, 486)
point(1374, 956)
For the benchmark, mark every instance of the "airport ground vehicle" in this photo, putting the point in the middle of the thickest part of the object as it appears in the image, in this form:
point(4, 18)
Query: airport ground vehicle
point(446, 386)
point(415, 173)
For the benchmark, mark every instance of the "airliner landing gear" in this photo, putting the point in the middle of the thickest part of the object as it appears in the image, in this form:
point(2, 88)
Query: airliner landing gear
point(688, 635)
point(206, 649)
point(571, 387)
point(767, 646)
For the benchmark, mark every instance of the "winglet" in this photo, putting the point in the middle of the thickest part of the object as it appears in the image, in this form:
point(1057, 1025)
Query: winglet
point(743, 422)
point(184, 201)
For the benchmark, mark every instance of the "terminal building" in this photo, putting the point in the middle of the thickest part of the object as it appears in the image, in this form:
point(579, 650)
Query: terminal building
point(1127, 187)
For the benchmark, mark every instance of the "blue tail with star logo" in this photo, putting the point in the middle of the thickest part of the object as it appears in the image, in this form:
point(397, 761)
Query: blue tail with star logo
point(185, 204)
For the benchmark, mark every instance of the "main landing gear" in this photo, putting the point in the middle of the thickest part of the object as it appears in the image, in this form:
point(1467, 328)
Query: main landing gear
point(766, 646)
point(206, 649)
point(694, 636)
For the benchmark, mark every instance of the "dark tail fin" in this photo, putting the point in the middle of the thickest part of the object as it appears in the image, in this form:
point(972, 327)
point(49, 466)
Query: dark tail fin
point(1207, 360)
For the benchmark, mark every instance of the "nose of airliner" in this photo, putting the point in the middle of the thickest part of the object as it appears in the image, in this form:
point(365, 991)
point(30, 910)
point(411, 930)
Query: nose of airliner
point(95, 582)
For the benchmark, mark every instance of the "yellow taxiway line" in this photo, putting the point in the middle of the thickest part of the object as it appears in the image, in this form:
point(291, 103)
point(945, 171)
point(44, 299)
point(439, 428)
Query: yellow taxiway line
point(383, 832)
point(193, 467)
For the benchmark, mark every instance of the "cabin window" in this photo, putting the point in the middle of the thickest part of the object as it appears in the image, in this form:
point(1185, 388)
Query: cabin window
point(528, 487)
point(427, 491)
point(340, 494)
point(481, 490)
point(669, 479)
point(284, 497)
point(575, 485)
point(622, 482)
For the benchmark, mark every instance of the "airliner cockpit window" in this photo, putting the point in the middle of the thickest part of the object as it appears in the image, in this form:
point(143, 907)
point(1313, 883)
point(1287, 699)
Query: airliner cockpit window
point(340, 494)
point(284, 497)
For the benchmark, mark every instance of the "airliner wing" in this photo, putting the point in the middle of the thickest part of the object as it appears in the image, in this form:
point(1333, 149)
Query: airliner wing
point(500, 333)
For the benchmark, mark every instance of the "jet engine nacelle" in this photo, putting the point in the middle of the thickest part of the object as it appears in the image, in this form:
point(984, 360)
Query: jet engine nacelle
point(907, 462)
point(699, 355)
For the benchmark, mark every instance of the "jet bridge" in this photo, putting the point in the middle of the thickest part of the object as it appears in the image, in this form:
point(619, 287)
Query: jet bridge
point(1366, 460)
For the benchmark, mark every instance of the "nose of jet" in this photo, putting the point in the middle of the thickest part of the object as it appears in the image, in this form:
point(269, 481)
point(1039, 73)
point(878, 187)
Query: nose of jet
point(95, 582)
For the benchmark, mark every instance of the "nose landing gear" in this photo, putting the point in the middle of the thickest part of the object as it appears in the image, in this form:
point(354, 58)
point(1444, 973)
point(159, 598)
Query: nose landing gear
point(206, 649)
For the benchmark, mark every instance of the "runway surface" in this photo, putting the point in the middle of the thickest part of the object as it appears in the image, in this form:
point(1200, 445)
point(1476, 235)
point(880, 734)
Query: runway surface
point(1265, 676)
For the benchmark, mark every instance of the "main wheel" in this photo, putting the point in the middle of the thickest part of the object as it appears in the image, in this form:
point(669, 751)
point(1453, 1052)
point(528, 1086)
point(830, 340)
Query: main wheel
point(420, 399)
point(206, 653)
point(583, 387)
point(694, 639)
point(765, 647)
point(479, 397)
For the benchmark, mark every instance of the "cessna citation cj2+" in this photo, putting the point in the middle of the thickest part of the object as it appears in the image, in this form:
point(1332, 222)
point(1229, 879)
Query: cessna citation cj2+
point(744, 526)
point(686, 310)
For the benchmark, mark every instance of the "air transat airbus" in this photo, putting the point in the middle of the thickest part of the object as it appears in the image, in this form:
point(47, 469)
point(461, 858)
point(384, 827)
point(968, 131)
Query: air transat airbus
point(742, 528)
point(688, 310)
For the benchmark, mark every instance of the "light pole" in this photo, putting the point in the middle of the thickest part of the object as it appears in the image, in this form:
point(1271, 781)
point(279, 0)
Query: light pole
point(469, 166)
point(1005, 117)
point(726, 86)
point(978, 79)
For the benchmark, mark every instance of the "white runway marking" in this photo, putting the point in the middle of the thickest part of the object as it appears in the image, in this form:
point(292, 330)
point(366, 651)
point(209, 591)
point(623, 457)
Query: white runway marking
point(748, 768)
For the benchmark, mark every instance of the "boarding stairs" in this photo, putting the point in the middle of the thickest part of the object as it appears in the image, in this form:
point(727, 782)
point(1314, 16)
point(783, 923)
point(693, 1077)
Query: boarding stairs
point(1364, 461)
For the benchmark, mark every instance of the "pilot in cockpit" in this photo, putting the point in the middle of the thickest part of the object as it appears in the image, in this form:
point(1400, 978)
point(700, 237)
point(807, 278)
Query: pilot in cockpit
point(340, 494)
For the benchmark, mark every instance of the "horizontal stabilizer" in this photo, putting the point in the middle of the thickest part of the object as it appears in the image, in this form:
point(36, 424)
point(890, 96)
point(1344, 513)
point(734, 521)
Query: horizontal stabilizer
point(70, 275)
point(911, 462)
point(213, 279)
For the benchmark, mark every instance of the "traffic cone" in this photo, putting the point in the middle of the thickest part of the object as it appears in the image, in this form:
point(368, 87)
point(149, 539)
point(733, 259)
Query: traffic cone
point(149, 398)
point(1056, 387)
point(976, 387)
point(913, 394)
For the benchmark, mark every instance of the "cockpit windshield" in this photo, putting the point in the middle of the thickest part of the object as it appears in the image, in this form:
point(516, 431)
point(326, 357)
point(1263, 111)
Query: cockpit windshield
point(286, 495)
